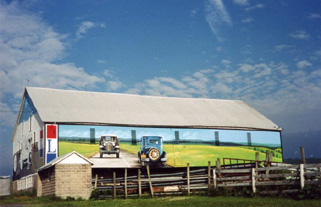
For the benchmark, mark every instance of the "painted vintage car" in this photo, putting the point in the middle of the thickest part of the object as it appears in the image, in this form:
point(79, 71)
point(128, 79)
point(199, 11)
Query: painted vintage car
point(151, 151)
point(109, 144)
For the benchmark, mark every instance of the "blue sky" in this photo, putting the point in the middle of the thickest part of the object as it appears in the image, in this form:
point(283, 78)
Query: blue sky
point(267, 53)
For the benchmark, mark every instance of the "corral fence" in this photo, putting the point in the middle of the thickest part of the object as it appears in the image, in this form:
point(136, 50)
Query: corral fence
point(260, 180)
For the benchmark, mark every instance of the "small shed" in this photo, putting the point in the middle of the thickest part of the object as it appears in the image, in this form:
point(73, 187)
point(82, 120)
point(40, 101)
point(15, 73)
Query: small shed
point(4, 185)
point(66, 176)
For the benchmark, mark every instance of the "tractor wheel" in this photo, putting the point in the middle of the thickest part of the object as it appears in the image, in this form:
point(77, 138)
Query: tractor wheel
point(153, 154)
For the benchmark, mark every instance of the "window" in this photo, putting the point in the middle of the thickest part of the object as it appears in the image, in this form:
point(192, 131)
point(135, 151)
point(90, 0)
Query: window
point(22, 128)
point(30, 123)
point(153, 141)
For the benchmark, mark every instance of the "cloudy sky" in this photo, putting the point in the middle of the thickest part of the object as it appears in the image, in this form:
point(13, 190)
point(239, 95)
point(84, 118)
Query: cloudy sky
point(267, 53)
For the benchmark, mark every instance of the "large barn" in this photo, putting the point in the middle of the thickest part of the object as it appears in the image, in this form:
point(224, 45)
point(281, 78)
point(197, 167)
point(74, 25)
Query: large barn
point(54, 122)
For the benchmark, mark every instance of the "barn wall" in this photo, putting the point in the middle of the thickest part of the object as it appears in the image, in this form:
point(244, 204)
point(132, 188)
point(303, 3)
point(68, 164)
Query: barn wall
point(28, 142)
point(178, 143)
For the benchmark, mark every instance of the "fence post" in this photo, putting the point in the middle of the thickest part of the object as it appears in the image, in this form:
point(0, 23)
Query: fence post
point(267, 159)
point(188, 181)
point(214, 179)
point(114, 190)
point(253, 180)
point(139, 183)
point(302, 155)
point(218, 167)
point(150, 181)
point(125, 190)
point(257, 159)
point(96, 180)
point(302, 176)
point(209, 175)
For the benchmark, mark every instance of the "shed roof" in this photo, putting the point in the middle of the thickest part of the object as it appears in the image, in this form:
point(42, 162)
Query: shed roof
point(82, 107)
point(62, 158)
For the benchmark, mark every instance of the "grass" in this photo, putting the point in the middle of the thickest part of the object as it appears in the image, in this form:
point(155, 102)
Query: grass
point(177, 155)
point(87, 150)
point(195, 201)
point(199, 155)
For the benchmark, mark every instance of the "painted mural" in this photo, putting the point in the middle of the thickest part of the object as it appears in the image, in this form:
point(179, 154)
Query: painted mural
point(181, 146)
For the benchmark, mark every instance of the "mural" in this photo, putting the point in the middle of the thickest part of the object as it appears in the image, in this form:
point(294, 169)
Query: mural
point(194, 146)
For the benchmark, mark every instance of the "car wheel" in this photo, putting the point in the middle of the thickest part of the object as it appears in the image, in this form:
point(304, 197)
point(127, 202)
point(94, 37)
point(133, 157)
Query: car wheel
point(153, 154)
point(101, 155)
point(117, 155)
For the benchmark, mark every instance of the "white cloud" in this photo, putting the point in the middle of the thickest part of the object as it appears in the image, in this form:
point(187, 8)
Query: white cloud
point(300, 34)
point(314, 16)
point(29, 49)
point(114, 85)
point(247, 20)
point(217, 16)
point(246, 68)
point(257, 6)
point(101, 61)
point(283, 47)
point(303, 64)
point(241, 2)
point(87, 25)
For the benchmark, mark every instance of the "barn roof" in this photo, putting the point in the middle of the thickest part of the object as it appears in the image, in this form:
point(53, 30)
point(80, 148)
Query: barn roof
point(83, 107)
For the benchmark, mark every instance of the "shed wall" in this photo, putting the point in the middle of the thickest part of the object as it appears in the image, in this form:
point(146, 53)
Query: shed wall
point(73, 180)
point(4, 186)
point(47, 183)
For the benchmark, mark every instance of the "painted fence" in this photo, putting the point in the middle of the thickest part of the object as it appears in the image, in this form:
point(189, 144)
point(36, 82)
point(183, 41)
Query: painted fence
point(261, 180)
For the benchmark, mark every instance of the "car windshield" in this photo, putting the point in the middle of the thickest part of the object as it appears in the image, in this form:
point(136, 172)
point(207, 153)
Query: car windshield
point(153, 141)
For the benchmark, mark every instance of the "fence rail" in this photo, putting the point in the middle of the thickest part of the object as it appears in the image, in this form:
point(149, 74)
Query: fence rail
point(291, 178)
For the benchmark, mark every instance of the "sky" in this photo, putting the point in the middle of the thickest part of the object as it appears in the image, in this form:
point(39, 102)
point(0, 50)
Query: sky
point(266, 53)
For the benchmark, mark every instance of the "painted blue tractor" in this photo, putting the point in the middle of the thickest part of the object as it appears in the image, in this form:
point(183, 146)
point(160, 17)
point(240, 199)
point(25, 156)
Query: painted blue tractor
point(151, 151)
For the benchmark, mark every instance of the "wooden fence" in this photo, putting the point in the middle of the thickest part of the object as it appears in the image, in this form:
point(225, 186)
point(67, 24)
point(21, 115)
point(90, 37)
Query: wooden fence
point(280, 179)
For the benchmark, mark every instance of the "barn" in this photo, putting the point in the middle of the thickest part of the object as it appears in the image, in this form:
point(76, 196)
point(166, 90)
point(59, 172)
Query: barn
point(52, 123)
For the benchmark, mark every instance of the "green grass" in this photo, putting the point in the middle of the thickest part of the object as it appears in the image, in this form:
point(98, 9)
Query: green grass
point(199, 155)
point(87, 150)
point(195, 201)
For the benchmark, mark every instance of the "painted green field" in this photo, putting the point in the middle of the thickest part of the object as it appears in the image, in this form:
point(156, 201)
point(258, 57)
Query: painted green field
point(87, 150)
point(199, 155)
point(178, 155)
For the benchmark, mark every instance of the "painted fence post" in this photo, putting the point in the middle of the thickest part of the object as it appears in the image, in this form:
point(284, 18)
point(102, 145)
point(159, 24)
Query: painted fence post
point(188, 180)
point(150, 181)
point(302, 176)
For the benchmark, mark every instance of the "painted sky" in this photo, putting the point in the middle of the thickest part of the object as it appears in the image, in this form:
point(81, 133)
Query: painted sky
point(235, 136)
point(267, 53)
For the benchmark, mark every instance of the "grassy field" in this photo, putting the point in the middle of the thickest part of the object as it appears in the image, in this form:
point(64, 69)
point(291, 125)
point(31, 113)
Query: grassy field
point(86, 150)
point(199, 155)
point(177, 155)
point(195, 201)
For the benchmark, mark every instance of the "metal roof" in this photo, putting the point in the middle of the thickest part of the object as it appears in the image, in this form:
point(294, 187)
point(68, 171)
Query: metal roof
point(83, 107)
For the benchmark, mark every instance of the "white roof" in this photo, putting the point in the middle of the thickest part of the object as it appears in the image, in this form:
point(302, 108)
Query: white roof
point(82, 107)
point(69, 158)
